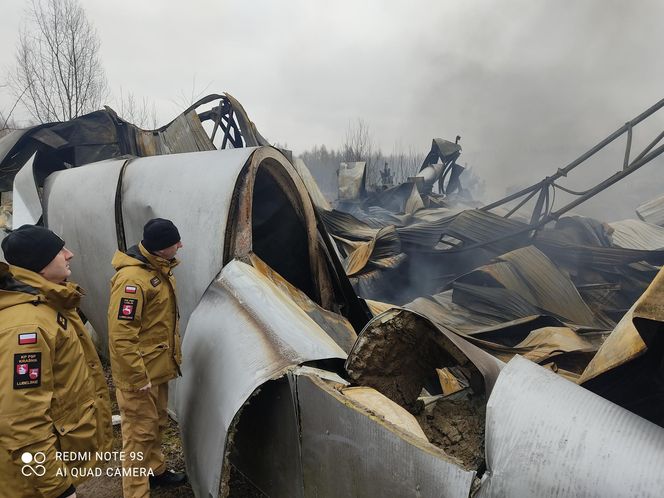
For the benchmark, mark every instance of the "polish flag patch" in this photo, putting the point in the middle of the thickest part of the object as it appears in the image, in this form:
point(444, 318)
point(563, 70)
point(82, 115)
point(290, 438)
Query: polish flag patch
point(27, 338)
point(130, 289)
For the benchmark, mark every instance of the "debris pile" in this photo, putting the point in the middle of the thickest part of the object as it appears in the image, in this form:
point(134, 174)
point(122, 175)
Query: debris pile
point(456, 424)
point(426, 384)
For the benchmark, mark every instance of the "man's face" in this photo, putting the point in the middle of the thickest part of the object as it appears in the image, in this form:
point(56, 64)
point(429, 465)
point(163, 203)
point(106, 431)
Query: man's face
point(169, 252)
point(58, 271)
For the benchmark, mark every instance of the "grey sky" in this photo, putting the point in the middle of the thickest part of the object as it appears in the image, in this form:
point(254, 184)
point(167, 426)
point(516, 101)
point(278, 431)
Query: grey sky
point(528, 84)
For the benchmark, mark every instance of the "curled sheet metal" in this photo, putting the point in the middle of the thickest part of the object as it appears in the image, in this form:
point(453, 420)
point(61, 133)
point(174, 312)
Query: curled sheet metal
point(244, 332)
point(194, 191)
point(15, 149)
point(625, 342)
point(547, 437)
point(414, 201)
point(27, 205)
point(652, 211)
point(184, 134)
point(335, 325)
point(534, 277)
point(352, 181)
point(78, 206)
point(348, 452)
point(637, 234)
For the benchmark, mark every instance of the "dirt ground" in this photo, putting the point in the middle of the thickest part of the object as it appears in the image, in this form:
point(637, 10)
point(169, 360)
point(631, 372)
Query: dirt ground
point(111, 487)
point(456, 424)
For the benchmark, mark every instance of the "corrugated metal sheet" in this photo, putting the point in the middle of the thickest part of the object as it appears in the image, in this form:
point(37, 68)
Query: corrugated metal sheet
point(652, 211)
point(547, 437)
point(475, 226)
point(184, 134)
point(541, 338)
point(426, 233)
point(531, 275)
point(347, 226)
point(636, 234)
point(503, 304)
point(550, 288)
point(550, 243)
point(382, 249)
point(443, 310)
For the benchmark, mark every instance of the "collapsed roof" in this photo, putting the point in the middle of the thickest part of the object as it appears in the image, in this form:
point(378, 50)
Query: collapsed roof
point(285, 368)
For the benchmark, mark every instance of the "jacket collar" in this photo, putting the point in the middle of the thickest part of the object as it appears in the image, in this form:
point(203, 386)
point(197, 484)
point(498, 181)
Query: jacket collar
point(165, 266)
point(64, 296)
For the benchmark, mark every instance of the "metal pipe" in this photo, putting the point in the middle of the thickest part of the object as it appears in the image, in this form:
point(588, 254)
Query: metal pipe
point(564, 171)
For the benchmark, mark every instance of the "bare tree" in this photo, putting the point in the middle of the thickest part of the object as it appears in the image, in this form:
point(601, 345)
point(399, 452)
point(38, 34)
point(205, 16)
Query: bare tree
point(359, 144)
point(7, 122)
point(58, 70)
point(187, 98)
point(142, 113)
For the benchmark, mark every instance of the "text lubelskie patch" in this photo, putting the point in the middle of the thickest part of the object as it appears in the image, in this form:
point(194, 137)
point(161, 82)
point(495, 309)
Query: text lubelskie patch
point(127, 310)
point(27, 370)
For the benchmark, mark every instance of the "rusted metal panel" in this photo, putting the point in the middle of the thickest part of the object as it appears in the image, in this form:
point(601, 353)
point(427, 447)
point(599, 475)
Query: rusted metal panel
point(244, 332)
point(185, 134)
point(348, 452)
point(547, 437)
point(626, 343)
point(334, 325)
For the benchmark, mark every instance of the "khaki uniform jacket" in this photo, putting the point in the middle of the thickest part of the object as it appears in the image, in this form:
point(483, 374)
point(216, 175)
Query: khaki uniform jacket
point(143, 329)
point(53, 394)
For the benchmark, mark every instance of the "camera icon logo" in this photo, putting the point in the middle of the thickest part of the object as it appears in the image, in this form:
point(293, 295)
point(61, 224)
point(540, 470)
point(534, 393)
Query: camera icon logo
point(33, 464)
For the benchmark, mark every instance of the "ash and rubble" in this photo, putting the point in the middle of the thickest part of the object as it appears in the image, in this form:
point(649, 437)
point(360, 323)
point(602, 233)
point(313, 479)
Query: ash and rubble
point(450, 292)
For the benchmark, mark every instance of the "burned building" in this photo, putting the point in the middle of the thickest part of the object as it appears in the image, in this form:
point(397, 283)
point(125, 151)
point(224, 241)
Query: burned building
point(309, 372)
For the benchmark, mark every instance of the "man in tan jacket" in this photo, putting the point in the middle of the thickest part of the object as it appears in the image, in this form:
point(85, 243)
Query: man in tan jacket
point(144, 343)
point(53, 396)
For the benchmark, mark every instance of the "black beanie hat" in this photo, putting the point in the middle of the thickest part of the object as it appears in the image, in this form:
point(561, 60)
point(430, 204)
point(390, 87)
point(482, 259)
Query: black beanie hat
point(159, 234)
point(31, 247)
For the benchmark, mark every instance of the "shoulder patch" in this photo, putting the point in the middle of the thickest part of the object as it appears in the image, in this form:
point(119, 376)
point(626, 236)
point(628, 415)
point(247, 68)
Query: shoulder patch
point(27, 370)
point(130, 289)
point(27, 338)
point(155, 281)
point(62, 321)
point(127, 309)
